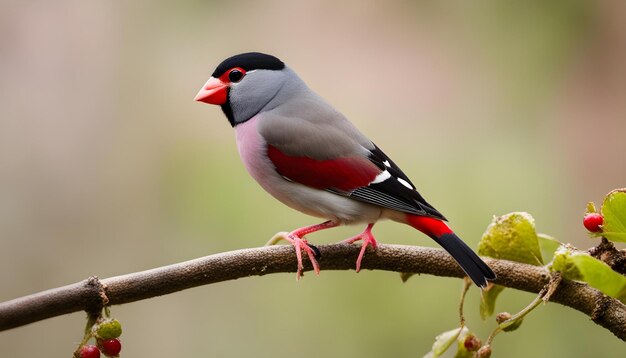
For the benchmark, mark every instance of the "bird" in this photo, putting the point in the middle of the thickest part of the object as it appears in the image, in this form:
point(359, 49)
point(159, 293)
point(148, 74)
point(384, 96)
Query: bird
point(310, 157)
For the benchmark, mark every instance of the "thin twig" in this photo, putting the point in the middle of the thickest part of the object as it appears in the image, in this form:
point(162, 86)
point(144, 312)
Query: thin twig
point(543, 297)
point(273, 259)
point(467, 283)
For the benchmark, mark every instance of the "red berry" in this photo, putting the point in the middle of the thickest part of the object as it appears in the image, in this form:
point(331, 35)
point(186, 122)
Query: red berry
point(110, 347)
point(472, 343)
point(89, 351)
point(593, 221)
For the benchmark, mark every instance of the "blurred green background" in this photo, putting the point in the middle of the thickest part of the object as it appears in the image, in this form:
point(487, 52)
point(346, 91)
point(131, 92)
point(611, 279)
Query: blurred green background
point(107, 166)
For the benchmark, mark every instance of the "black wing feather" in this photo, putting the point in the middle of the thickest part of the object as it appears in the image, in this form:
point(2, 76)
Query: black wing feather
point(391, 193)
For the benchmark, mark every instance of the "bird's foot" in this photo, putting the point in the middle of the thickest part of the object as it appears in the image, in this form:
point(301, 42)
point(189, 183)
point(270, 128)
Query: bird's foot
point(296, 238)
point(368, 240)
point(301, 244)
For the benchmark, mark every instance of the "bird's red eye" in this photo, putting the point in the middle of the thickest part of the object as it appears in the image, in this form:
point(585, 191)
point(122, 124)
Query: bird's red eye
point(236, 74)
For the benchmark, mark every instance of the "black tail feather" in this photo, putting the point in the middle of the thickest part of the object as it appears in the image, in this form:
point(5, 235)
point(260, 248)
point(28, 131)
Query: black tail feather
point(473, 265)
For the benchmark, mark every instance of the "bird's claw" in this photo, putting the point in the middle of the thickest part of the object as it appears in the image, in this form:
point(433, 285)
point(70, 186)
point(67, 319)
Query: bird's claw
point(296, 238)
point(301, 244)
point(316, 252)
point(368, 240)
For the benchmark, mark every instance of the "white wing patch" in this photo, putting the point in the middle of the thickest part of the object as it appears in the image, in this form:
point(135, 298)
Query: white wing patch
point(384, 175)
point(403, 182)
point(386, 162)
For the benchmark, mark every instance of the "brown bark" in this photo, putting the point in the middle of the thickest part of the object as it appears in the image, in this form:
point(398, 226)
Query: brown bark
point(92, 293)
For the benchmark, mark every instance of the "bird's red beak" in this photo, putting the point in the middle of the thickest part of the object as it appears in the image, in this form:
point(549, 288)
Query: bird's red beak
point(214, 91)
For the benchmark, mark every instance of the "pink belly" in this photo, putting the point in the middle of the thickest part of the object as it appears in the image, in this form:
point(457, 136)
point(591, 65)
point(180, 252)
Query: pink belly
point(253, 151)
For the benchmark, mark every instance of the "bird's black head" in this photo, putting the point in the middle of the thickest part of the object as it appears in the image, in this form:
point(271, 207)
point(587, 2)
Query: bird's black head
point(243, 84)
point(249, 61)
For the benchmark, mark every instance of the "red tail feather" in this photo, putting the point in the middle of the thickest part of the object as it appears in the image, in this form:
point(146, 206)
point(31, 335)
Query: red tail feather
point(429, 226)
point(473, 266)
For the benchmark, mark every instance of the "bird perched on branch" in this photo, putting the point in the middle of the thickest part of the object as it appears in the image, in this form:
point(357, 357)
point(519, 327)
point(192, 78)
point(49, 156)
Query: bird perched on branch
point(310, 157)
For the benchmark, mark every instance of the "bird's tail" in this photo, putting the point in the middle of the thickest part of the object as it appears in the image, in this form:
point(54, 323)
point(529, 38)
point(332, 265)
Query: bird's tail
point(473, 265)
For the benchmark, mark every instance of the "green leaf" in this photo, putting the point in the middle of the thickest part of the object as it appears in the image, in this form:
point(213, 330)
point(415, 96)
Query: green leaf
point(565, 265)
point(614, 213)
point(488, 300)
point(578, 265)
point(444, 341)
point(547, 245)
point(512, 237)
point(513, 326)
point(507, 323)
point(591, 207)
point(462, 352)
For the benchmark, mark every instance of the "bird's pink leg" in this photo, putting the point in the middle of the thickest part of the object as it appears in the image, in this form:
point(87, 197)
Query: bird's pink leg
point(296, 238)
point(368, 239)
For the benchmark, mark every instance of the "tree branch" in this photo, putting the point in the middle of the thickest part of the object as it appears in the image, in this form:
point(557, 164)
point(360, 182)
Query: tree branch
point(92, 294)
